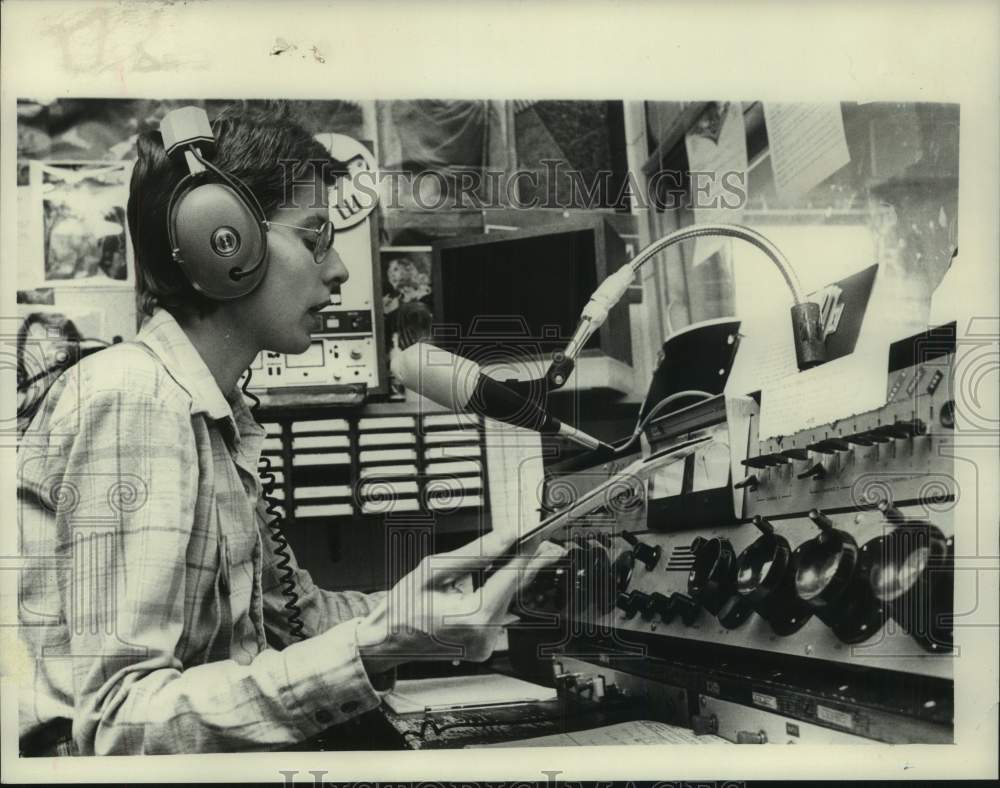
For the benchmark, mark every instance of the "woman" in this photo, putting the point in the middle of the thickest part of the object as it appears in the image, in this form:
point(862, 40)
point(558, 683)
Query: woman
point(151, 631)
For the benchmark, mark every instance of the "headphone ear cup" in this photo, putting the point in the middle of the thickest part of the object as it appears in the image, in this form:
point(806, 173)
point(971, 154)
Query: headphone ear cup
point(217, 235)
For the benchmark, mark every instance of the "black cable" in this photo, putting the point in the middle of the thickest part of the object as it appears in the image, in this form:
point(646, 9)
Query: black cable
point(275, 527)
point(625, 446)
point(27, 410)
point(62, 366)
point(608, 452)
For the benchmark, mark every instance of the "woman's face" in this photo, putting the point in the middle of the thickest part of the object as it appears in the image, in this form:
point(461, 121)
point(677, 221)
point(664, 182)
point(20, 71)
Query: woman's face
point(281, 313)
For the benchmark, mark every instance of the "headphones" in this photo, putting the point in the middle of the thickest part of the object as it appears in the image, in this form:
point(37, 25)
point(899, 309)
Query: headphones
point(216, 226)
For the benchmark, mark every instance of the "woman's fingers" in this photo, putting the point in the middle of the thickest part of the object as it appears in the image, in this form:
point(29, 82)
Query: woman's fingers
point(499, 590)
point(444, 568)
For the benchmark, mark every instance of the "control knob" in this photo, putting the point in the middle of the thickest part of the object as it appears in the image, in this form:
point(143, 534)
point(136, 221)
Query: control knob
point(911, 572)
point(632, 602)
point(658, 604)
point(712, 581)
point(828, 580)
point(649, 555)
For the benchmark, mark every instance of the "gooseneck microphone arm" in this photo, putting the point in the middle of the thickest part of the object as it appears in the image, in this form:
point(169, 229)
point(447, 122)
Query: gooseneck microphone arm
point(808, 334)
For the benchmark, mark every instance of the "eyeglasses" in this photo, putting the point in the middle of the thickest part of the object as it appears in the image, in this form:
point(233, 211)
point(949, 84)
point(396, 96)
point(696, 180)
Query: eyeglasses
point(324, 237)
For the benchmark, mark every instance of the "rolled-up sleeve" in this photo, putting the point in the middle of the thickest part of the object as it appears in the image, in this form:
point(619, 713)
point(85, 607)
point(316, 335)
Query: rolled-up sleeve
point(120, 488)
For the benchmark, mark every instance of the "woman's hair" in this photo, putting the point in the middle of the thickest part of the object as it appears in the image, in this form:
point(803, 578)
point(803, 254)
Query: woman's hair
point(251, 140)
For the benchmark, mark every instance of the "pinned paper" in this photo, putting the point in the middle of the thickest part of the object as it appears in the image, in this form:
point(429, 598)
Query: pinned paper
point(807, 145)
point(78, 215)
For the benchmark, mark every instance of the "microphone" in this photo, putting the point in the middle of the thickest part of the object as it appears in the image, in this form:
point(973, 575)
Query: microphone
point(460, 385)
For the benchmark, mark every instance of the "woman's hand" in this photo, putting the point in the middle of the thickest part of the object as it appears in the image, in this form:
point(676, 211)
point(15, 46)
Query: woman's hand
point(434, 613)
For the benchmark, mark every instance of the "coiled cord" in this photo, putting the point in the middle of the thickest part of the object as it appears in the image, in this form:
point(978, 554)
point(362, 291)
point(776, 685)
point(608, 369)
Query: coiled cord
point(275, 525)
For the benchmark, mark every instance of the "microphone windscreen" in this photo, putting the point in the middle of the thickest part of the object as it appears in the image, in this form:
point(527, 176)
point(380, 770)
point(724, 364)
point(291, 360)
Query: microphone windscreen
point(498, 401)
point(442, 377)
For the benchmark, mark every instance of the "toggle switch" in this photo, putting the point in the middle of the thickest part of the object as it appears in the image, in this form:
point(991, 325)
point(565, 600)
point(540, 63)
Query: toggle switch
point(821, 520)
point(763, 525)
point(648, 554)
point(876, 437)
point(892, 431)
point(815, 470)
point(917, 427)
point(751, 482)
point(830, 445)
point(891, 513)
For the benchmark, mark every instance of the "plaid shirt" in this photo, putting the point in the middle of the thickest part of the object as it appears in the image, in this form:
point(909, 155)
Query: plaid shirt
point(151, 582)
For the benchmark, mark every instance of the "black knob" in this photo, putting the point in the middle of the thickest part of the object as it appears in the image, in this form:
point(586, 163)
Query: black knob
point(638, 601)
point(649, 555)
point(829, 446)
point(712, 579)
point(658, 604)
point(751, 482)
point(816, 470)
point(893, 431)
point(685, 607)
point(891, 513)
point(734, 612)
point(631, 603)
point(911, 572)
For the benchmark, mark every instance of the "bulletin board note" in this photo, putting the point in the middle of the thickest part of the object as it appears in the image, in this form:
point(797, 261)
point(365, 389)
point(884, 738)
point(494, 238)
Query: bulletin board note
point(807, 144)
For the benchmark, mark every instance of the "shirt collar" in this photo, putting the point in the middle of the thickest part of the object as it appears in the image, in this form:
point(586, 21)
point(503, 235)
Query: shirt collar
point(163, 335)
